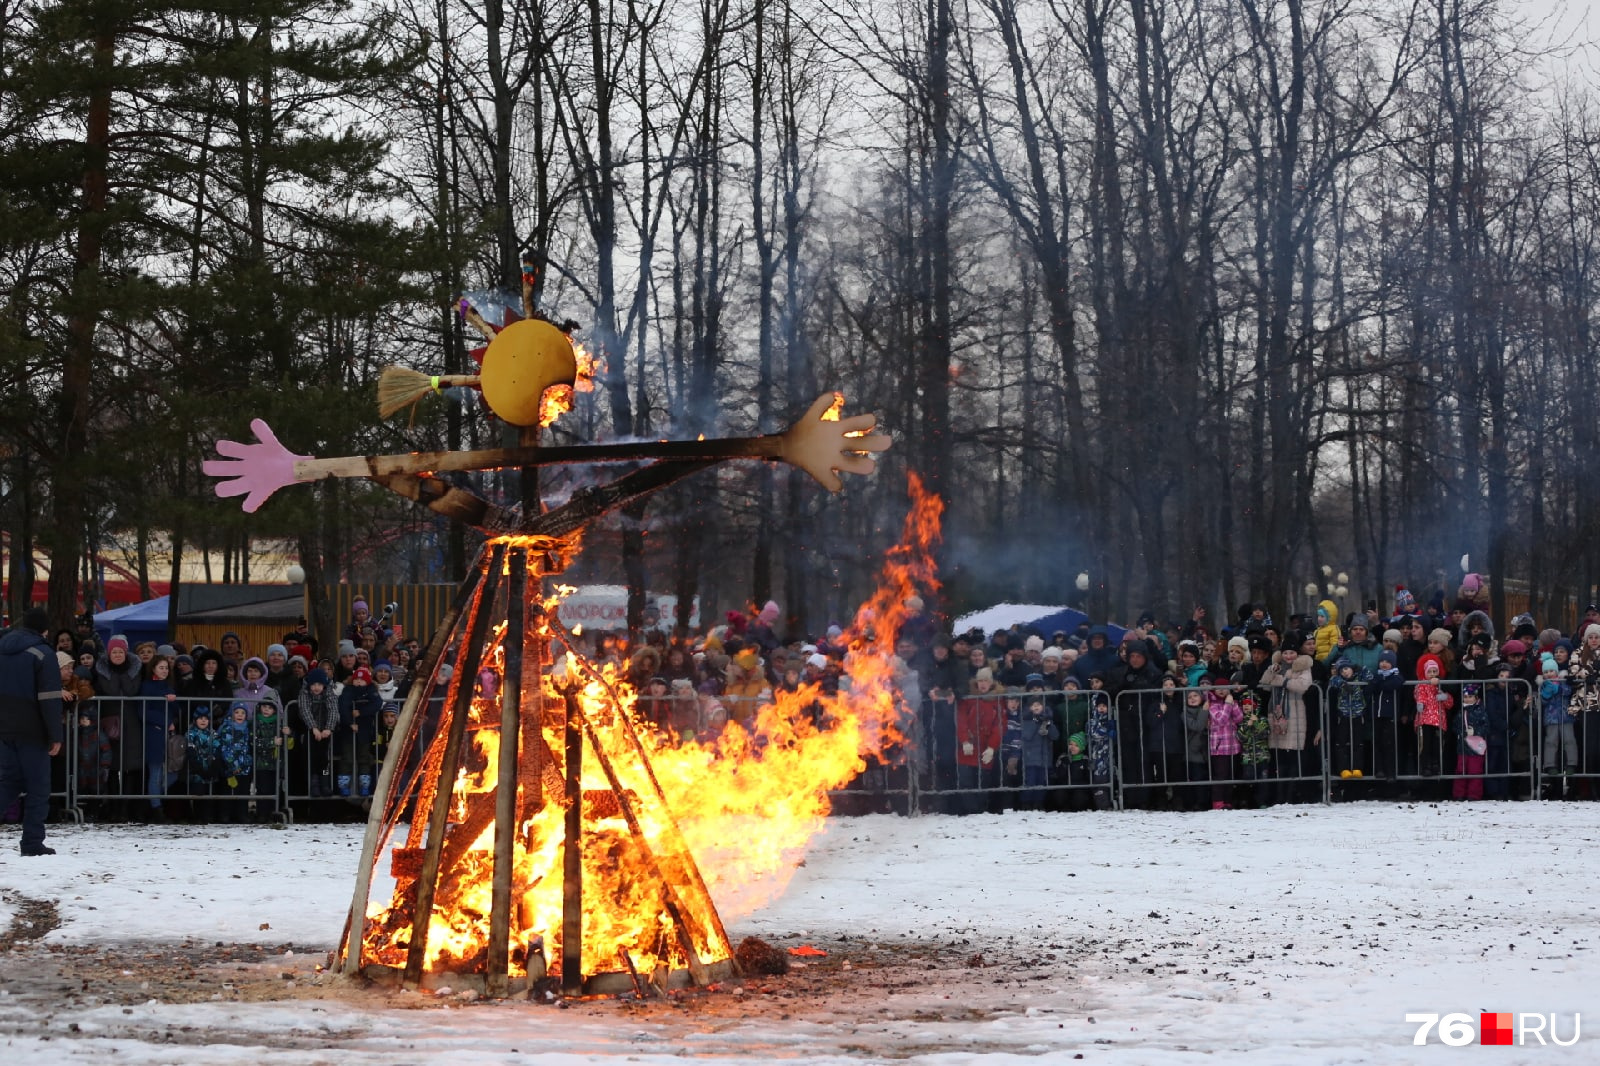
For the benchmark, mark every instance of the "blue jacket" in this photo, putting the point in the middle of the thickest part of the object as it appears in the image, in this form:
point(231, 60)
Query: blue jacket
point(155, 713)
point(1350, 697)
point(1029, 738)
point(1385, 691)
point(1556, 696)
point(30, 688)
point(363, 698)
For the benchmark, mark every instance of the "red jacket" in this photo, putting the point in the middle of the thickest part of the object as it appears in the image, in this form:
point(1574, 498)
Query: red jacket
point(980, 721)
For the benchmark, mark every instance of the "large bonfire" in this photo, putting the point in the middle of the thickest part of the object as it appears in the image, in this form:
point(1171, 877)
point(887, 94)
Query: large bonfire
point(662, 822)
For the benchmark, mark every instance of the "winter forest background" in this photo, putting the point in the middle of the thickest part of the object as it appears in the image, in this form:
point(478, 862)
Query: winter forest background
point(1193, 296)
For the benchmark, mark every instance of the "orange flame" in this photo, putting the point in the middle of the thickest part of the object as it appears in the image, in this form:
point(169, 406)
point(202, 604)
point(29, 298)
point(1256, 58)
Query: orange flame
point(739, 805)
point(835, 409)
point(558, 399)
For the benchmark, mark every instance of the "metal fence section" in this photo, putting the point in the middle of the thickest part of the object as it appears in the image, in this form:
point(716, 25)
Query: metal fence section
point(1352, 738)
point(139, 758)
point(1484, 748)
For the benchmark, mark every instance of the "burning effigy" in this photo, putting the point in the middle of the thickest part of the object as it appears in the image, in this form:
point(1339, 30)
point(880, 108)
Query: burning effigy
point(534, 828)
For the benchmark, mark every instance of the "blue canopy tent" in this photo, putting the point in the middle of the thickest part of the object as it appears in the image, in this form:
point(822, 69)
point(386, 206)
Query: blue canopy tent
point(1045, 620)
point(138, 622)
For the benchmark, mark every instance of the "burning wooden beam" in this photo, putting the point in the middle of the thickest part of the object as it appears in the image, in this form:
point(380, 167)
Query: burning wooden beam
point(459, 705)
point(505, 789)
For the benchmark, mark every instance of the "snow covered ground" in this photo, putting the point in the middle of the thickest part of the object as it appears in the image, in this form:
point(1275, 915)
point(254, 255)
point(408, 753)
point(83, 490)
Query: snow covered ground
point(1293, 935)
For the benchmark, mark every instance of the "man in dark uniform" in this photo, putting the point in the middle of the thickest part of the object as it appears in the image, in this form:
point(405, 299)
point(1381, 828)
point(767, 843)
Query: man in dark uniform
point(30, 723)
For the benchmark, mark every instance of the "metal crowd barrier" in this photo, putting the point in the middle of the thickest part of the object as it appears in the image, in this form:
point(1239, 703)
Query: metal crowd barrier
point(1088, 750)
point(119, 764)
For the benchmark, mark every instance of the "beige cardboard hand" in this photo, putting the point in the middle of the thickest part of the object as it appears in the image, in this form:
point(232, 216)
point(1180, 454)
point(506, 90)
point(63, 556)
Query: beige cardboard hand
point(824, 448)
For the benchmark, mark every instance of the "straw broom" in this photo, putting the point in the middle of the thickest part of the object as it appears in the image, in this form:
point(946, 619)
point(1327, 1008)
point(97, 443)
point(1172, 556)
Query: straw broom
point(400, 387)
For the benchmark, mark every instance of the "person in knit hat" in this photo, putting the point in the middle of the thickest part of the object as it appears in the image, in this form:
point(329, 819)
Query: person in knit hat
point(763, 631)
point(1557, 716)
point(1391, 719)
point(1404, 602)
point(1432, 717)
point(980, 730)
point(359, 709)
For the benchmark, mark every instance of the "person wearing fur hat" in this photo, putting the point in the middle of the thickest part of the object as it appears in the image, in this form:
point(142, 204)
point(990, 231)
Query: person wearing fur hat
point(1475, 662)
point(209, 683)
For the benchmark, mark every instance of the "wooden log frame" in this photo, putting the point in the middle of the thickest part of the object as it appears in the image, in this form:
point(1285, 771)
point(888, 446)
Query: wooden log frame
point(673, 859)
point(675, 910)
point(383, 813)
point(459, 706)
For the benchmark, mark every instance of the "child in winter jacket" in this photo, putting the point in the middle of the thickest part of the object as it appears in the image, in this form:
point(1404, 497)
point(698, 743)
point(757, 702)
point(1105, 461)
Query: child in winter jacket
point(1347, 688)
point(1433, 709)
point(268, 752)
point(1197, 745)
point(94, 756)
point(1472, 745)
point(1505, 700)
point(1383, 696)
point(1328, 631)
point(1033, 749)
point(1557, 716)
point(1075, 766)
point(234, 744)
point(1011, 738)
point(1222, 742)
point(1101, 727)
point(202, 762)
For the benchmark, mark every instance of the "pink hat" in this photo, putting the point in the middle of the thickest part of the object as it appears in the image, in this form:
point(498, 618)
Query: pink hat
point(118, 641)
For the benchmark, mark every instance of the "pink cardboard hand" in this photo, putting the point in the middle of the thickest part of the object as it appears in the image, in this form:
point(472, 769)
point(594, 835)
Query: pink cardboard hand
point(254, 471)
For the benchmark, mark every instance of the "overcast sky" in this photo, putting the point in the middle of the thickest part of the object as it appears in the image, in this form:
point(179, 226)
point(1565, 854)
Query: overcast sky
point(1570, 23)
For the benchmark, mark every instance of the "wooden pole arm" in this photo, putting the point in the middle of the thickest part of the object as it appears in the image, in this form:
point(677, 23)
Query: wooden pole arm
point(820, 446)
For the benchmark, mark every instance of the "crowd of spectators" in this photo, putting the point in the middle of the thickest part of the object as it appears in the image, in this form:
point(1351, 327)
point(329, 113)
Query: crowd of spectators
point(1425, 701)
point(225, 731)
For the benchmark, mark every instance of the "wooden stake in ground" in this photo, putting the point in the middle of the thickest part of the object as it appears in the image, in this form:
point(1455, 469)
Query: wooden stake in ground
point(505, 795)
point(462, 683)
point(572, 859)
